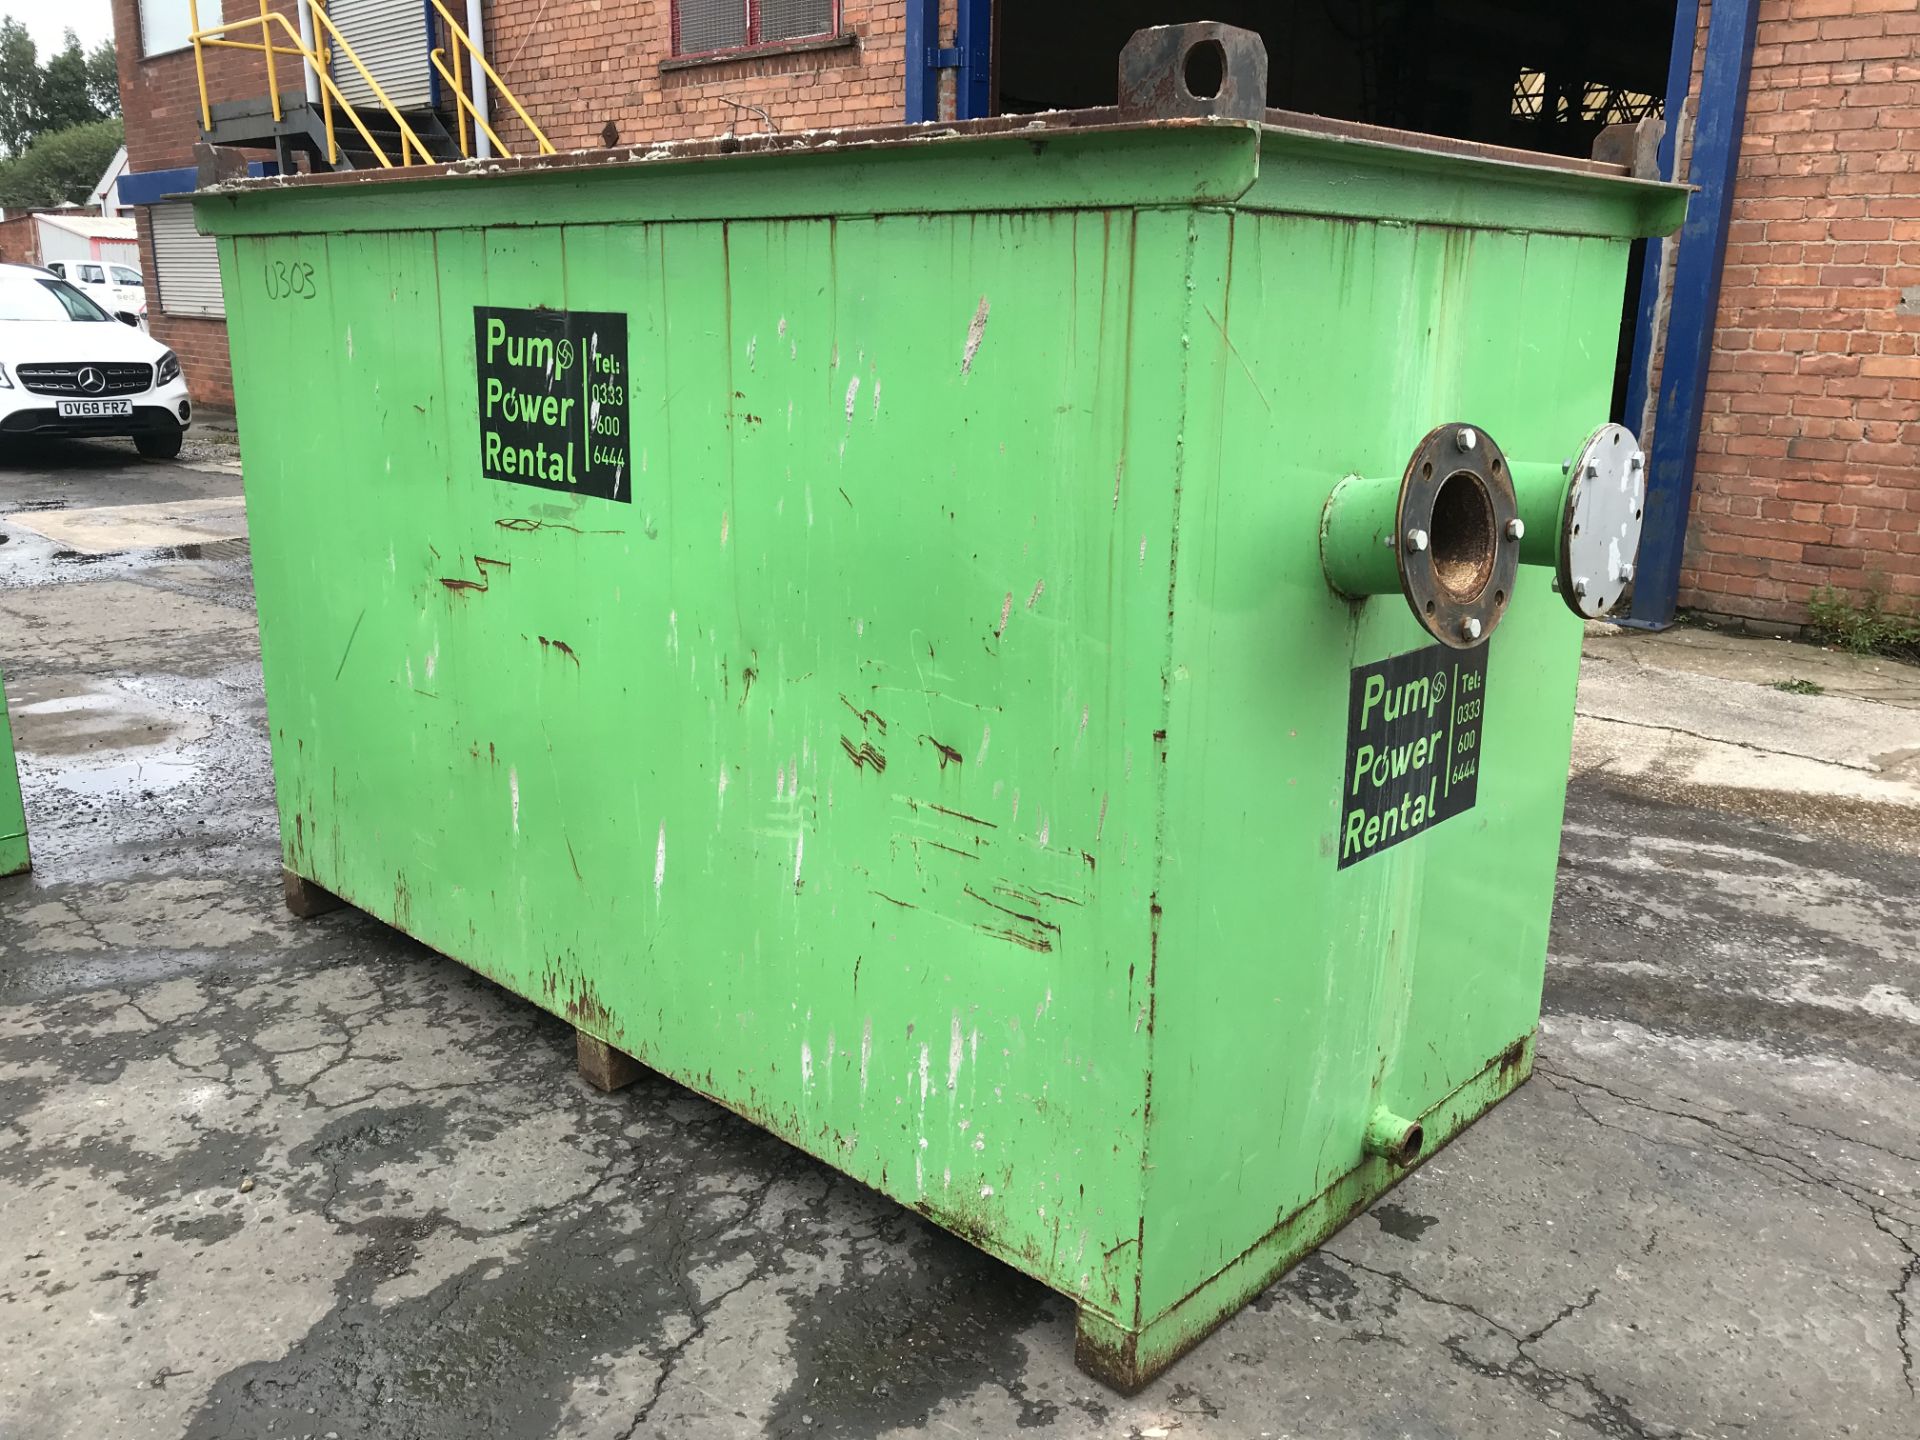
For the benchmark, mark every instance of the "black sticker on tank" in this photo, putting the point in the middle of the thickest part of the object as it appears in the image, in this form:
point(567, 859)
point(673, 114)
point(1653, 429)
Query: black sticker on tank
point(553, 400)
point(1413, 746)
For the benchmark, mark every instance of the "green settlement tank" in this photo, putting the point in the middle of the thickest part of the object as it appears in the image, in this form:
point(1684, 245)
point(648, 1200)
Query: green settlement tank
point(864, 624)
point(14, 859)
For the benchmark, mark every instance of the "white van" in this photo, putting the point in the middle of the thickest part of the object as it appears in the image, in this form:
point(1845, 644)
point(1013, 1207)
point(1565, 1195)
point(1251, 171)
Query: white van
point(116, 287)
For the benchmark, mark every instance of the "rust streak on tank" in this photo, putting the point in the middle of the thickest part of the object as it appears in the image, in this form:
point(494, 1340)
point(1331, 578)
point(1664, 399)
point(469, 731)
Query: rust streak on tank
point(865, 717)
point(1039, 943)
point(864, 755)
point(948, 755)
point(962, 815)
point(480, 564)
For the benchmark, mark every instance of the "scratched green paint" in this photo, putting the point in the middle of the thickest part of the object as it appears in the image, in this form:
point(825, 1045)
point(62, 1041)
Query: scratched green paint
point(13, 815)
point(938, 760)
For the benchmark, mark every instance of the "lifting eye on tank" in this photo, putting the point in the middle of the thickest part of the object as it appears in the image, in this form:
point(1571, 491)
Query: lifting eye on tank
point(1452, 531)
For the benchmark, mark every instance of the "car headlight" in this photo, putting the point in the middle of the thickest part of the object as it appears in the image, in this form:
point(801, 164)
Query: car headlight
point(5, 382)
point(168, 369)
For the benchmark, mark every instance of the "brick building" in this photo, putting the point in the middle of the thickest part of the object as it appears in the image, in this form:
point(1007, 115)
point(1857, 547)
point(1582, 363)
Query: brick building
point(1805, 387)
point(1808, 468)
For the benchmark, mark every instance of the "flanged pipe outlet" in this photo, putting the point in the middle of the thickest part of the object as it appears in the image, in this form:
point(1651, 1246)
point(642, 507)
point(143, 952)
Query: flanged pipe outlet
point(1446, 535)
point(1583, 515)
point(1394, 1137)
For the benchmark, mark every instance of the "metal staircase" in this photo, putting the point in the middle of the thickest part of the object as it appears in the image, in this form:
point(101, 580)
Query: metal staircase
point(367, 131)
point(301, 128)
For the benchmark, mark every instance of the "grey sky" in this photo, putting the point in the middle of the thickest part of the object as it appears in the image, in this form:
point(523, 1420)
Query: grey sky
point(49, 20)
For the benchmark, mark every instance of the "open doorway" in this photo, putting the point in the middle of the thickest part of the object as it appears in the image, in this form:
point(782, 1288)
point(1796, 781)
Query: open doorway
point(1532, 74)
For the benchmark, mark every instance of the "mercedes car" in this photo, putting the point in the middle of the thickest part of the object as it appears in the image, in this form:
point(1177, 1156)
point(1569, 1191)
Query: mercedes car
point(69, 368)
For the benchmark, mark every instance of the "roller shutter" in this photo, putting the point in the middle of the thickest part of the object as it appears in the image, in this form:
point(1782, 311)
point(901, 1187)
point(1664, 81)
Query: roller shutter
point(390, 37)
point(187, 261)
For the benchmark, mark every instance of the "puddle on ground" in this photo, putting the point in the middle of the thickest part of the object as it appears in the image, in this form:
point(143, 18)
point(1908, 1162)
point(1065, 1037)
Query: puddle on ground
point(150, 776)
point(233, 548)
point(31, 559)
point(75, 723)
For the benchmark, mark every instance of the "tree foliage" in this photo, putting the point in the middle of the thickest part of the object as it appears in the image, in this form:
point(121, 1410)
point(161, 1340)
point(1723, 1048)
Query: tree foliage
point(72, 89)
point(103, 78)
point(20, 86)
point(61, 165)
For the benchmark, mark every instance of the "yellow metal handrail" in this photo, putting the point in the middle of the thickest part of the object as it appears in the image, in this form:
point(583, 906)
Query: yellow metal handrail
point(320, 59)
point(407, 137)
point(213, 34)
point(460, 39)
point(467, 108)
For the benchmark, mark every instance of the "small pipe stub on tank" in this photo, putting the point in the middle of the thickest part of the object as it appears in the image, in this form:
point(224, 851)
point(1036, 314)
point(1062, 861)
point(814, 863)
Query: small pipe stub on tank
point(1447, 535)
point(1394, 1137)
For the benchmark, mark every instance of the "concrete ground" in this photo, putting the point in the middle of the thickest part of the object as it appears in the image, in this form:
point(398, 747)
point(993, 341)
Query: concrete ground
point(268, 1179)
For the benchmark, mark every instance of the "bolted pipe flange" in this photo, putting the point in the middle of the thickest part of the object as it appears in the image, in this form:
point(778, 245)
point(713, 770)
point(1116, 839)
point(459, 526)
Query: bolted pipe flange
point(1600, 526)
point(1458, 493)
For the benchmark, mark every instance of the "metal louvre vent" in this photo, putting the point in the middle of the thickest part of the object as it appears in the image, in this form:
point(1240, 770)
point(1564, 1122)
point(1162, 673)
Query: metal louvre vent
point(390, 37)
point(186, 263)
point(795, 19)
point(80, 379)
point(711, 25)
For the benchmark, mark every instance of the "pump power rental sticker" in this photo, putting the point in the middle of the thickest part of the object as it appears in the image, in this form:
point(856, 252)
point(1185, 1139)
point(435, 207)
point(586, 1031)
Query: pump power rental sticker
point(553, 399)
point(1413, 746)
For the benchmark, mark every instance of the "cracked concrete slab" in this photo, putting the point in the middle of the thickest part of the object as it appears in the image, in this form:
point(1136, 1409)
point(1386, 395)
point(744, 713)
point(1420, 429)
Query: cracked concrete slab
point(109, 529)
point(278, 1179)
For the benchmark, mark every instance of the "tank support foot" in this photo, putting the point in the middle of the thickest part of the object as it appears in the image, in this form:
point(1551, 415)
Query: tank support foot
point(306, 899)
point(604, 1067)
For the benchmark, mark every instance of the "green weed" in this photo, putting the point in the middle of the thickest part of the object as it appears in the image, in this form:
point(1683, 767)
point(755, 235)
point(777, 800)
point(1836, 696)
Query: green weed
point(1864, 626)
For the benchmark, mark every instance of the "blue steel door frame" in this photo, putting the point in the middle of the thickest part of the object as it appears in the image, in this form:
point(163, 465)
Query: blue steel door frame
point(970, 57)
point(1721, 115)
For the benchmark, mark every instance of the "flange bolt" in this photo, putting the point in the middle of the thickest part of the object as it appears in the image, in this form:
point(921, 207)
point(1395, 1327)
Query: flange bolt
point(1466, 438)
point(1416, 540)
point(1516, 528)
point(1470, 628)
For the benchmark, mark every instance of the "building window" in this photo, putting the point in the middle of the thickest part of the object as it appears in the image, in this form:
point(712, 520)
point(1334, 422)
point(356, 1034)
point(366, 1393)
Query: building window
point(167, 25)
point(704, 27)
point(1589, 100)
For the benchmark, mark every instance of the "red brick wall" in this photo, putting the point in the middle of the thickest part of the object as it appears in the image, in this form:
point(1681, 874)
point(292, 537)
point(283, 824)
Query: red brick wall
point(161, 98)
point(578, 64)
point(20, 240)
point(574, 64)
point(1809, 465)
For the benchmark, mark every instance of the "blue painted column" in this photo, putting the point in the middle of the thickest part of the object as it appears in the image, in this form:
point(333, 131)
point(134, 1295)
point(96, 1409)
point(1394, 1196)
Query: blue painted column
point(923, 77)
point(970, 58)
point(1722, 114)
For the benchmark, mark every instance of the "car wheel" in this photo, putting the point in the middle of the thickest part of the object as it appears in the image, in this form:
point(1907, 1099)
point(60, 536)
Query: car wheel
point(158, 444)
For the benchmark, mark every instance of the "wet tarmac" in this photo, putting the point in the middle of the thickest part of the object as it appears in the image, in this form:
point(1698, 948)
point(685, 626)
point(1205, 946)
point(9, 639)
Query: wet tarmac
point(266, 1178)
